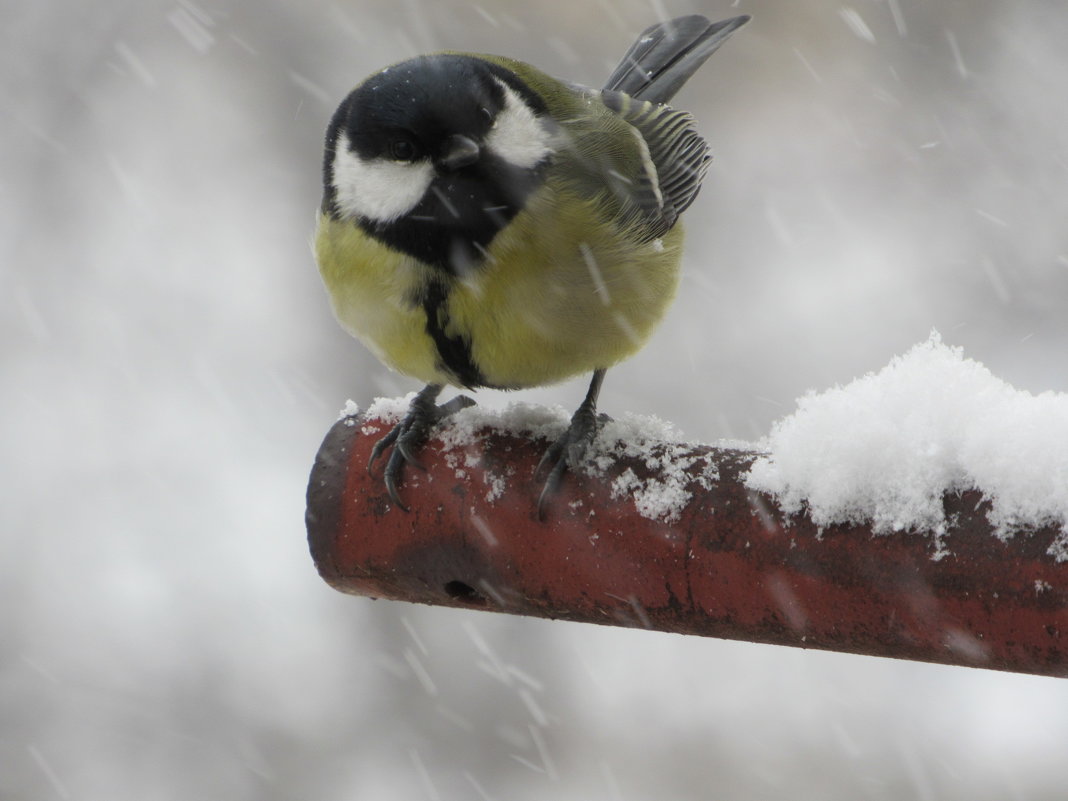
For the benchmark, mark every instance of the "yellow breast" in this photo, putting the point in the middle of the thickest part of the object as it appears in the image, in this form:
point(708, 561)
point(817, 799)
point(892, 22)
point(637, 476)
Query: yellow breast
point(373, 291)
point(558, 295)
point(563, 294)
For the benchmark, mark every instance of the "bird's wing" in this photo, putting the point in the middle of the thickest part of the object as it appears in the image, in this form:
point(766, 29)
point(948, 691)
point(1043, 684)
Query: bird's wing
point(679, 158)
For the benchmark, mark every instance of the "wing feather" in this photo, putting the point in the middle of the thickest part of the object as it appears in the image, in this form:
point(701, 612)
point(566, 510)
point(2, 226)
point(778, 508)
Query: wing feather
point(678, 155)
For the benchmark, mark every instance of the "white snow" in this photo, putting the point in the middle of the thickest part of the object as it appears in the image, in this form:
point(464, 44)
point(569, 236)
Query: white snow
point(671, 469)
point(851, 17)
point(887, 447)
point(384, 410)
point(349, 412)
point(883, 450)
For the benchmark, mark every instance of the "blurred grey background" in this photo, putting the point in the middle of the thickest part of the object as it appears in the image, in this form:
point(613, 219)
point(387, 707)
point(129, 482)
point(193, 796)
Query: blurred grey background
point(170, 365)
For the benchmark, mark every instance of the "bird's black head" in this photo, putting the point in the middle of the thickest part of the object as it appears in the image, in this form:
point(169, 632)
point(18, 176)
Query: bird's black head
point(435, 155)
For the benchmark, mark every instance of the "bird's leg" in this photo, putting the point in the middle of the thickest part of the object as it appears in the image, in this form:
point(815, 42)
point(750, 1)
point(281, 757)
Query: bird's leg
point(411, 433)
point(570, 448)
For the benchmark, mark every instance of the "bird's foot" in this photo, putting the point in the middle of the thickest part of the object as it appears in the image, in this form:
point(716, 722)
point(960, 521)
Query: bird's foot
point(411, 433)
point(568, 451)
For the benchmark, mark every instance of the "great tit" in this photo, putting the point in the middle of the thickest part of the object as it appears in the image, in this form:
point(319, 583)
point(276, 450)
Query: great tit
point(486, 225)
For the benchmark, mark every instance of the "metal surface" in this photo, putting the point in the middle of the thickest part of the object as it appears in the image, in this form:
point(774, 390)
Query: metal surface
point(729, 567)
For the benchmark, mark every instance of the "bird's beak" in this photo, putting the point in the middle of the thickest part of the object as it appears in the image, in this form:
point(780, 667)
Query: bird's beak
point(460, 151)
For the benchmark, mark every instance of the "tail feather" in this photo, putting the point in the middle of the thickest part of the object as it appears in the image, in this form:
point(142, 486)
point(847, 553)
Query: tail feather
point(667, 54)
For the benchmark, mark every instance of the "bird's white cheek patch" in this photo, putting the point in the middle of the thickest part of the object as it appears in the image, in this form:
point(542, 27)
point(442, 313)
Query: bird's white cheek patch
point(377, 189)
point(517, 135)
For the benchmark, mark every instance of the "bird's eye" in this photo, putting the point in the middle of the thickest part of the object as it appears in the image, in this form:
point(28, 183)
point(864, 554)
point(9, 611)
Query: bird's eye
point(403, 150)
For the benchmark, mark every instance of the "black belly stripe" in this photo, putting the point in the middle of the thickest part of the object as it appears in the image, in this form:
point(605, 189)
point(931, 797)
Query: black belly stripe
point(454, 352)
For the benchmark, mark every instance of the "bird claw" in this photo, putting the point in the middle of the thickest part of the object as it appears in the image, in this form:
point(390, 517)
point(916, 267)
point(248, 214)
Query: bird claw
point(392, 474)
point(410, 434)
point(567, 452)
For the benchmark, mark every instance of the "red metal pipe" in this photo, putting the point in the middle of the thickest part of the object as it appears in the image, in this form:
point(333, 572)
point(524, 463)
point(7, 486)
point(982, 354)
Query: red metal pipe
point(728, 567)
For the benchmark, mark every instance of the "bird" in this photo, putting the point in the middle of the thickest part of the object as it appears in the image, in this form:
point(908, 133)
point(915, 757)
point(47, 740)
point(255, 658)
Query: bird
point(486, 225)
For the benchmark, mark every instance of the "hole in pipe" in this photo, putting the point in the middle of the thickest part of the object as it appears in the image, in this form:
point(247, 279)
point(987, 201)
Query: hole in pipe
point(464, 592)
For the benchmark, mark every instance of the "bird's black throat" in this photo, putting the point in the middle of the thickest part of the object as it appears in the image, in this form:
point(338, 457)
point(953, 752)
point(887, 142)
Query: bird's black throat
point(452, 227)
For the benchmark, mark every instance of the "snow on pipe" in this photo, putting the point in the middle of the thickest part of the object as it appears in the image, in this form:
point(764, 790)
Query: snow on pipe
point(702, 554)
